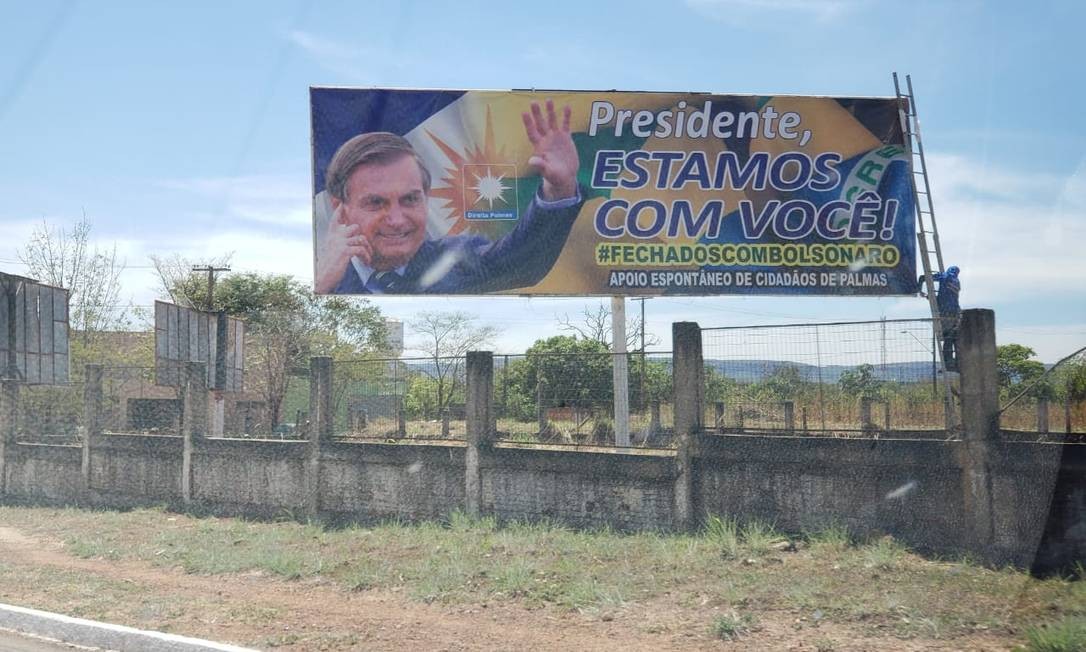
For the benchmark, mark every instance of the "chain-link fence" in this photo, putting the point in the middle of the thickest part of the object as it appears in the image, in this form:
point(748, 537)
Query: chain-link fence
point(405, 398)
point(1051, 405)
point(568, 398)
point(132, 403)
point(50, 414)
point(838, 379)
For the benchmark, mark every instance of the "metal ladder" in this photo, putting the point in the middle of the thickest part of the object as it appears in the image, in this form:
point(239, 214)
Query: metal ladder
point(925, 220)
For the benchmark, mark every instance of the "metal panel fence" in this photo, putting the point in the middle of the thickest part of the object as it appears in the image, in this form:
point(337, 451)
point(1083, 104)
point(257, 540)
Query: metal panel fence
point(836, 379)
point(568, 399)
point(405, 398)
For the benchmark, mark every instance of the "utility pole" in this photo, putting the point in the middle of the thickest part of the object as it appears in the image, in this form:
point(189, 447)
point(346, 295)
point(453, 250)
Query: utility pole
point(210, 269)
point(218, 407)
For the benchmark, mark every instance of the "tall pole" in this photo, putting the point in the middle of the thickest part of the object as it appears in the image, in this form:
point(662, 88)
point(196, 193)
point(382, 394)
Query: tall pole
point(620, 372)
point(211, 270)
point(218, 407)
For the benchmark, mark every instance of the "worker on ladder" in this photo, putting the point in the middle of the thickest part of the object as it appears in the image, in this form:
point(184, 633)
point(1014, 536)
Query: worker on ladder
point(950, 313)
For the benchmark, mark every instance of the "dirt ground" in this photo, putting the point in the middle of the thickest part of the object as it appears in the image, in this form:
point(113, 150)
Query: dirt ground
point(264, 612)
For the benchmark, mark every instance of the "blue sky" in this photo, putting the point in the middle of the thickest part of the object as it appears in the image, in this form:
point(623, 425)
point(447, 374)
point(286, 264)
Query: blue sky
point(184, 127)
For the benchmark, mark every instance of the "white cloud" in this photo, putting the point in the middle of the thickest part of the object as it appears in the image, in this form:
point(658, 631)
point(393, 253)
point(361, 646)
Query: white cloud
point(351, 61)
point(267, 199)
point(739, 12)
point(1015, 235)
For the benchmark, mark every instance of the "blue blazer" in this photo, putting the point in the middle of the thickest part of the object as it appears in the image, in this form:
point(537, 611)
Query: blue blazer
point(472, 264)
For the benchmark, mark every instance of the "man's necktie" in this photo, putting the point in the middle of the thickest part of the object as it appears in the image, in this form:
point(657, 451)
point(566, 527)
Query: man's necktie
point(384, 282)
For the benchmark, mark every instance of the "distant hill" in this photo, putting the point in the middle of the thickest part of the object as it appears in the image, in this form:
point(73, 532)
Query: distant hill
point(752, 371)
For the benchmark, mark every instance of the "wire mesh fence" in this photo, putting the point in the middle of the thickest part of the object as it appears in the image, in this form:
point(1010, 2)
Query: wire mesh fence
point(1048, 405)
point(50, 414)
point(405, 398)
point(568, 398)
point(132, 403)
point(836, 379)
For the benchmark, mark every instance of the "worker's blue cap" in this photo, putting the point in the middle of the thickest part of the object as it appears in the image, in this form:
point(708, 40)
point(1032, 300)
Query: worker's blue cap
point(952, 270)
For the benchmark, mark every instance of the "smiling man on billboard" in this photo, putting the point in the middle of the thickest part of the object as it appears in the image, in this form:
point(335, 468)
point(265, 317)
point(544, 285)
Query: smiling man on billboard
point(376, 241)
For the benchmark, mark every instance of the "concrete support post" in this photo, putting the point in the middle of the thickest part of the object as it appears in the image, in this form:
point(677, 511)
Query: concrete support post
point(620, 371)
point(718, 414)
point(92, 418)
point(445, 423)
point(866, 423)
point(790, 417)
point(803, 418)
point(193, 421)
point(478, 408)
point(980, 425)
point(688, 379)
point(320, 429)
point(9, 411)
point(1042, 415)
point(401, 422)
point(540, 409)
point(886, 416)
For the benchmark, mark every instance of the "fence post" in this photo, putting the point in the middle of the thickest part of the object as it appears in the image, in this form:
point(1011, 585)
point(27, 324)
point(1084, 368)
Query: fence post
point(718, 414)
point(1042, 415)
point(980, 424)
point(803, 418)
point(1067, 415)
point(688, 378)
point(193, 421)
point(886, 416)
point(92, 418)
point(9, 414)
point(540, 411)
point(480, 392)
point(866, 423)
point(790, 417)
point(401, 422)
point(320, 429)
point(445, 423)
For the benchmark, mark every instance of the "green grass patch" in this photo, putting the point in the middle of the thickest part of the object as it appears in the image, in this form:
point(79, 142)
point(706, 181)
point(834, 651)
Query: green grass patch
point(1068, 635)
point(731, 627)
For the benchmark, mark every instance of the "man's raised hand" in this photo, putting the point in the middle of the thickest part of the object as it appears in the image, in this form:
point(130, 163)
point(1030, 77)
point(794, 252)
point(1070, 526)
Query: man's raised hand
point(554, 156)
point(342, 240)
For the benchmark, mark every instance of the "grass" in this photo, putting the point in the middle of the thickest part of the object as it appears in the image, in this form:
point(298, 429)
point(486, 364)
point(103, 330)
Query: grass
point(705, 579)
point(731, 627)
point(1064, 636)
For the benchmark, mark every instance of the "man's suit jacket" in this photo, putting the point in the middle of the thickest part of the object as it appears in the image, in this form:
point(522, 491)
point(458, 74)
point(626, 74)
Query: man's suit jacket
point(471, 264)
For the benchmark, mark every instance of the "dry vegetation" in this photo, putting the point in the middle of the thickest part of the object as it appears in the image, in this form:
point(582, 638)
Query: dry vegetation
point(472, 584)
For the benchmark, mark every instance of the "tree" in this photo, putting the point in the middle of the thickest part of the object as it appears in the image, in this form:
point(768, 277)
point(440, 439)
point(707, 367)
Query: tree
point(784, 383)
point(178, 281)
point(445, 338)
point(66, 258)
point(1017, 370)
point(595, 325)
point(861, 382)
point(286, 324)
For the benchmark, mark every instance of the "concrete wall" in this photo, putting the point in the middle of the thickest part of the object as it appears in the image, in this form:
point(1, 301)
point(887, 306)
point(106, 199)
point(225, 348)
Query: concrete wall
point(141, 468)
point(583, 489)
point(377, 480)
point(908, 489)
point(911, 489)
point(45, 473)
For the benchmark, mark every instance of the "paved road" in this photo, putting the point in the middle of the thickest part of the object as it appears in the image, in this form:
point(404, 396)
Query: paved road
point(13, 642)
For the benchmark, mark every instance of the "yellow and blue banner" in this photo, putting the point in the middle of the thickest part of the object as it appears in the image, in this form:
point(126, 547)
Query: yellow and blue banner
point(575, 193)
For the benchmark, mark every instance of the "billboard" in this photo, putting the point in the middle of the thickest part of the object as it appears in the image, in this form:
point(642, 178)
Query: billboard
point(33, 332)
point(609, 193)
point(188, 335)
